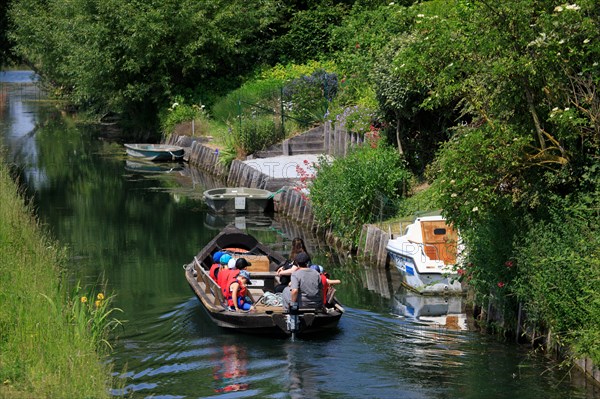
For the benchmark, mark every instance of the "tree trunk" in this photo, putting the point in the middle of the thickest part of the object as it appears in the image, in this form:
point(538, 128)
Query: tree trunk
point(536, 120)
point(398, 136)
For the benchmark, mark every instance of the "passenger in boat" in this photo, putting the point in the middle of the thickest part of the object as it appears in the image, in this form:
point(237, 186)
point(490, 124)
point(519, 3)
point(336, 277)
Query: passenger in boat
point(325, 281)
point(230, 273)
point(222, 277)
point(239, 296)
point(216, 266)
point(231, 264)
point(305, 290)
point(285, 271)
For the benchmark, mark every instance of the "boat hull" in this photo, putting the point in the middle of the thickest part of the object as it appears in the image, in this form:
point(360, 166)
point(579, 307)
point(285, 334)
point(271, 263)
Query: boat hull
point(155, 152)
point(238, 199)
point(426, 255)
point(425, 283)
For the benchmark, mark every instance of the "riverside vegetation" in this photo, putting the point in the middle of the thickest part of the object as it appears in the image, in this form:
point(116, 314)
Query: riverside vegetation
point(52, 337)
point(494, 105)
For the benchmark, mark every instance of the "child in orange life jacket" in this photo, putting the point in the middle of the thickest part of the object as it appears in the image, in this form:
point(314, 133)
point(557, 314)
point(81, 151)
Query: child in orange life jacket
point(214, 269)
point(230, 272)
point(239, 296)
point(325, 280)
point(223, 272)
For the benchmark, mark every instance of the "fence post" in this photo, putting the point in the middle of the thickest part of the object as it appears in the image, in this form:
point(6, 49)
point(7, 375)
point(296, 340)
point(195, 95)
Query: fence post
point(282, 112)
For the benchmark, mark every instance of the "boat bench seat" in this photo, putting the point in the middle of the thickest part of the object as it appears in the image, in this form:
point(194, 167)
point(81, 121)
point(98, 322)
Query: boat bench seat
point(212, 288)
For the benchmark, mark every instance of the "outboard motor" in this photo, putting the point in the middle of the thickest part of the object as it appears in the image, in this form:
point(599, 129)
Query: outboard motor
point(293, 320)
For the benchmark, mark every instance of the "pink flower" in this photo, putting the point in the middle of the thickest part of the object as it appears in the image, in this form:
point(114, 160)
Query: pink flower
point(508, 263)
point(500, 284)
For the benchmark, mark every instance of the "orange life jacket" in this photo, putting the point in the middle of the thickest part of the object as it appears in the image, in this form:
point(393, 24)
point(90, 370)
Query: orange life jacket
point(325, 288)
point(242, 292)
point(213, 271)
point(226, 277)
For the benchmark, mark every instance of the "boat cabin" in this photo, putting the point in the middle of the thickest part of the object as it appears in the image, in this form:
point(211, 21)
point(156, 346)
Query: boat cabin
point(438, 238)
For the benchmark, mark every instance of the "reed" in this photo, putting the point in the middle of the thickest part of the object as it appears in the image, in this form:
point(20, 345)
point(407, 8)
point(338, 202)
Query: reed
point(51, 343)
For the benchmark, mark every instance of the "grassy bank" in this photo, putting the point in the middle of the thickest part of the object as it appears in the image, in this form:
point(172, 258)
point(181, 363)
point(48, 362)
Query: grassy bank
point(48, 345)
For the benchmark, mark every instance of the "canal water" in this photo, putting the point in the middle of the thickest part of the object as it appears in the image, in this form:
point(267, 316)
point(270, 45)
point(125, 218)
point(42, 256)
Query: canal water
point(134, 226)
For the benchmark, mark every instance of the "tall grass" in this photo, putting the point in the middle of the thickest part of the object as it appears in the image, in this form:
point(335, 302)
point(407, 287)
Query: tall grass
point(50, 344)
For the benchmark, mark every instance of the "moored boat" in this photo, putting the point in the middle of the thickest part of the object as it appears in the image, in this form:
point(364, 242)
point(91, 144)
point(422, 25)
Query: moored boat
point(426, 256)
point(238, 199)
point(267, 317)
point(155, 152)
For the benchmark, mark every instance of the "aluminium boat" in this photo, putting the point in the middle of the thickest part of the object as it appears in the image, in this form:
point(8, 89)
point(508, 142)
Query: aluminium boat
point(155, 152)
point(238, 199)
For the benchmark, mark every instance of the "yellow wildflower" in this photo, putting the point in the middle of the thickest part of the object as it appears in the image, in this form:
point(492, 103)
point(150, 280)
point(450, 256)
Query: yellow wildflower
point(100, 296)
point(83, 299)
point(98, 303)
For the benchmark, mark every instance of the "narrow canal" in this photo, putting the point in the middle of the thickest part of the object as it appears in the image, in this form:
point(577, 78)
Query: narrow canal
point(135, 228)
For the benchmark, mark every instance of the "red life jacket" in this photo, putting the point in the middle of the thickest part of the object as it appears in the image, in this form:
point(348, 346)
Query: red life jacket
point(213, 271)
point(325, 288)
point(226, 277)
point(242, 292)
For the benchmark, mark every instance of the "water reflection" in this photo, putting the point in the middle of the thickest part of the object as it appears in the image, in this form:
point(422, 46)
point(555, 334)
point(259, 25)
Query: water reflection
point(303, 377)
point(216, 222)
point(231, 369)
point(152, 167)
point(436, 311)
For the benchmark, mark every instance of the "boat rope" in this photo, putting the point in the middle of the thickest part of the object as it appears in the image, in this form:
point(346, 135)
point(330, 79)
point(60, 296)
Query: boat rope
point(275, 193)
point(271, 299)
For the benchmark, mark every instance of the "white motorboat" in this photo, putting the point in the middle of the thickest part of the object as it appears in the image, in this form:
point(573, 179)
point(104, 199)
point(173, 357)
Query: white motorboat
point(426, 256)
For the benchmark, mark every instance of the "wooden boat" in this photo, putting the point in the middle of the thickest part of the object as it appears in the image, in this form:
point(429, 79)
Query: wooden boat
point(155, 152)
point(266, 318)
point(238, 199)
point(426, 255)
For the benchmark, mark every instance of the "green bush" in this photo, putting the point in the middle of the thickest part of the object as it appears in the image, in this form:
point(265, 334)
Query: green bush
point(307, 98)
point(180, 112)
point(357, 118)
point(559, 274)
point(263, 93)
point(351, 191)
point(291, 71)
point(255, 134)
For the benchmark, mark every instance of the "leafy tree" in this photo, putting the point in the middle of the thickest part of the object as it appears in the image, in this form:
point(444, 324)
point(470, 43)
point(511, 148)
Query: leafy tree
point(516, 179)
point(132, 57)
point(309, 33)
point(5, 44)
